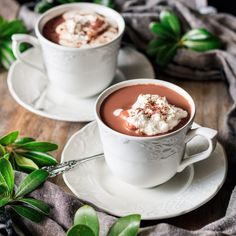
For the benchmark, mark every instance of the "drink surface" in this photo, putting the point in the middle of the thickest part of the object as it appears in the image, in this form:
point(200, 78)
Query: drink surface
point(80, 29)
point(124, 110)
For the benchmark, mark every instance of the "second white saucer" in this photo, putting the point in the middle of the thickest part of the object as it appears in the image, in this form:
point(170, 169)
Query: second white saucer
point(30, 88)
point(93, 182)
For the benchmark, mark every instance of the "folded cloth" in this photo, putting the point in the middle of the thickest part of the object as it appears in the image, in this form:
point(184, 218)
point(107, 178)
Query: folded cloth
point(63, 208)
point(65, 205)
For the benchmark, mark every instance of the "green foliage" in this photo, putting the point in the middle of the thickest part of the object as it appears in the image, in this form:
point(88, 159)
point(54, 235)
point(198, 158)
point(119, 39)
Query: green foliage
point(126, 226)
point(200, 40)
point(107, 3)
point(28, 212)
point(29, 208)
point(9, 138)
point(25, 163)
point(31, 182)
point(171, 22)
point(7, 29)
point(86, 223)
point(37, 205)
point(87, 216)
point(25, 153)
point(38, 146)
point(168, 39)
point(45, 5)
point(80, 230)
point(7, 175)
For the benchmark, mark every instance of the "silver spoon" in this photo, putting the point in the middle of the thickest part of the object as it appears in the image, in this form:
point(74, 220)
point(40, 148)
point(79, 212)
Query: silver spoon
point(68, 165)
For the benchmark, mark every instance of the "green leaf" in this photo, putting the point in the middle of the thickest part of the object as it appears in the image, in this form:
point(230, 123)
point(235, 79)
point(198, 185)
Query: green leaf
point(107, 3)
point(162, 32)
point(7, 56)
point(12, 27)
point(125, 226)
point(37, 205)
point(7, 173)
point(203, 45)
point(31, 182)
point(38, 146)
point(165, 54)
point(63, 1)
point(40, 158)
point(24, 140)
point(43, 6)
point(28, 213)
point(9, 138)
point(3, 24)
point(4, 201)
point(86, 215)
point(197, 34)
point(2, 21)
point(170, 21)
point(154, 45)
point(80, 230)
point(67, 1)
point(25, 163)
point(2, 151)
point(5, 61)
point(3, 189)
point(6, 156)
point(2, 179)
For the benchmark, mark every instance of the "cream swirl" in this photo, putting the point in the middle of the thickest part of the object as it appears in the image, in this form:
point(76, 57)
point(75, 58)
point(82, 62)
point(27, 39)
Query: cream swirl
point(151, 115)
point(84, 29)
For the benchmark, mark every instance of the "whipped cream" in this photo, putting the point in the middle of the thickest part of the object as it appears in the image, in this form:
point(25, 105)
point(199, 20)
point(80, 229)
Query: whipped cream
point(85, 29)
point(151, 115)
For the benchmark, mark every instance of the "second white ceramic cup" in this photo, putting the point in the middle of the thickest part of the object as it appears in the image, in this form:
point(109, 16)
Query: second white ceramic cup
point(75, 71)
point(150, 161)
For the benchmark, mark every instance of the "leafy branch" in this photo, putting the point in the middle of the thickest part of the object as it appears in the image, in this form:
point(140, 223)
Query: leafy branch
point(7, 29)
point(29, 208)
point(14, 199)
point(26, 154)
point(86, 223)
point(168, 39)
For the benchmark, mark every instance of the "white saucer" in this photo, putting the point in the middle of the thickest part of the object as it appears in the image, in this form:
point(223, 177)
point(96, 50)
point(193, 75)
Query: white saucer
point(30, 88)
point(92, 181)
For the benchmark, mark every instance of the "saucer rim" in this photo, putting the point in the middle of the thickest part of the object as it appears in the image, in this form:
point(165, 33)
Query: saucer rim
point(46, 114)
point(160, 217)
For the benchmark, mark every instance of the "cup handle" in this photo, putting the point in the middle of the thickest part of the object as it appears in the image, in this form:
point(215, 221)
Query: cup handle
point(17, 40)
point(210, 135)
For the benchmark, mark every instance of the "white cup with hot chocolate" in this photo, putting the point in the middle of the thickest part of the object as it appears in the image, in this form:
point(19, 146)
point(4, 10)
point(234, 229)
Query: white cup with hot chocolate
point(79, 44)
point(144, 126)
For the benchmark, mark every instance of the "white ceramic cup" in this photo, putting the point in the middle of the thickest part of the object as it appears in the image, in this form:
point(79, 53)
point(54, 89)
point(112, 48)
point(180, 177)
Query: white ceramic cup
point(150, 161)
point(81, 72)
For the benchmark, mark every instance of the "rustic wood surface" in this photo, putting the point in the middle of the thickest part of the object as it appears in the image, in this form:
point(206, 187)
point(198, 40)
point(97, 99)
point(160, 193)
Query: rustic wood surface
point(212, 101)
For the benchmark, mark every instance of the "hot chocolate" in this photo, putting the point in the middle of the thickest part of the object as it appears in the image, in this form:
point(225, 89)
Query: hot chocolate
point(145, 110)
point(80, 29)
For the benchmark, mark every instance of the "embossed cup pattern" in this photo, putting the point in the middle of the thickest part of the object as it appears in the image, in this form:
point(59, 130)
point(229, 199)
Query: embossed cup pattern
point(150, 161)
point(143, 163)
point(83, 73)
point(79, 72)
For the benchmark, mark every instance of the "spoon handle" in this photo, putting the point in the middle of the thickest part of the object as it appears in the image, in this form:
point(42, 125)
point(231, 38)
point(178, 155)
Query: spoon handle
point(68, 165)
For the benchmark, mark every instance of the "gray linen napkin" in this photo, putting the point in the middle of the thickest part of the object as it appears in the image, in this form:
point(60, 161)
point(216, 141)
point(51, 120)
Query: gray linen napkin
point(65, 205)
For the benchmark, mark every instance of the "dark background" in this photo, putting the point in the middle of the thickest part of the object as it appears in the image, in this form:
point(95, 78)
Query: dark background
point(224, 5)
point(221, 5)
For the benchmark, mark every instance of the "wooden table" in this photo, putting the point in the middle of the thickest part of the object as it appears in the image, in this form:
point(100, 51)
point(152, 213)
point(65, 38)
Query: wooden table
point(212, 101)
